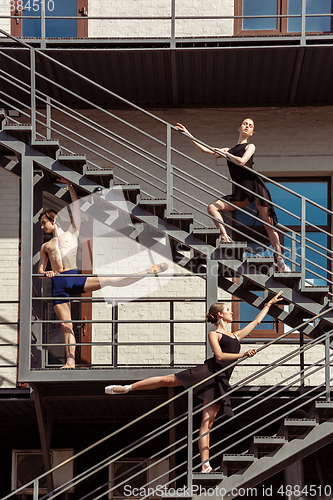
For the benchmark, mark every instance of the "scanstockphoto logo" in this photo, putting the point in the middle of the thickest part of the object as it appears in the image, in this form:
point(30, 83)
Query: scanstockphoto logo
point(113, 242)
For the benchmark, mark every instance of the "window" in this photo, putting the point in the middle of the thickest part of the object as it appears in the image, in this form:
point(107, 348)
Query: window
point(54, 28)
point(275, 25)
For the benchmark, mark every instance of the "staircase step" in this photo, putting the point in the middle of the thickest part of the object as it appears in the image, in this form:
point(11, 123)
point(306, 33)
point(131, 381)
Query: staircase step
point(231, 251)
point(322, 411)
point(102, 177)
point(234, 463)
point(301, 313)
point(257, 265)
point(131, 192)
point(295, 427)
point(208, 478)
point(316, 293)
point(210, 235)
point(154, 206)
point(47, 147)
point(291, 280)
point(21, 132)
point(182, 221)
point(74, 162)
point(262, 445)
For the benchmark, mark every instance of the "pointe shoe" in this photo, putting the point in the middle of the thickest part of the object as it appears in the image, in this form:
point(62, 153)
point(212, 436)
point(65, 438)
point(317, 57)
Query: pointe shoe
point(225, 238)
point(282, 266)
point(208, 470)
point(109, 389)
point(158, 268)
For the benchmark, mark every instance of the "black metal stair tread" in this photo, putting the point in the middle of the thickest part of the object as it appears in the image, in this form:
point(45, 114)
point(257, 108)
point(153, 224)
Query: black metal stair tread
point(151, 201)
point(46, 142)
point(212, 230)
point(73, 161)
point(269, 439)
point(23, 126)
point(180, 215)
point(233, 244)
point(102, 177)
point(238, 457)
point(213, 476)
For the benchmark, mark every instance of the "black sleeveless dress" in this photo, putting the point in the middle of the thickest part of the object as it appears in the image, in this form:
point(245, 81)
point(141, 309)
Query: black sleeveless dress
point(249, 180)
point(217, 386)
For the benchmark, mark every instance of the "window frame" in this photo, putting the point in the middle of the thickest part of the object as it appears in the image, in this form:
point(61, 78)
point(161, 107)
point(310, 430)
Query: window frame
point(81, 25)
point(282, 22)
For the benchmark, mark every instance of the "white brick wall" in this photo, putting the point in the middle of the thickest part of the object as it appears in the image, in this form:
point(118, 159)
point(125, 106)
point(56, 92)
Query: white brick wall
point(9, 274)
point(159, 28)
point(5, 11)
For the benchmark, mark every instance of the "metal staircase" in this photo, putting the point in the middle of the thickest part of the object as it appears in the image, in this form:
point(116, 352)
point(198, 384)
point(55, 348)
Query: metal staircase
point(194, 249)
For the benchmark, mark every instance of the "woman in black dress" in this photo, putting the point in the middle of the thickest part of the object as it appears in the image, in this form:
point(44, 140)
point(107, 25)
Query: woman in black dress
point(226, 347)
point(238, 156)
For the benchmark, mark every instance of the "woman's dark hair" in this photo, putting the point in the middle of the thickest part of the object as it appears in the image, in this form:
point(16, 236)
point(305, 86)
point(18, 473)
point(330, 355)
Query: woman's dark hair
point(211, 316)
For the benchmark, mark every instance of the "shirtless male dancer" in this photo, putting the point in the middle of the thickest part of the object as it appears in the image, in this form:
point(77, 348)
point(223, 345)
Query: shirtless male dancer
point(61, 251)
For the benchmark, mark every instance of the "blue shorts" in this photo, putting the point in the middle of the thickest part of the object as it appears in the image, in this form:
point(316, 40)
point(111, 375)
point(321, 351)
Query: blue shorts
point(66, 286)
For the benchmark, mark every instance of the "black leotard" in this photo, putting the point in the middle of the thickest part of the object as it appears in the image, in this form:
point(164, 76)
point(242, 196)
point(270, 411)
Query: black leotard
point(249, 180)
point(218, 385)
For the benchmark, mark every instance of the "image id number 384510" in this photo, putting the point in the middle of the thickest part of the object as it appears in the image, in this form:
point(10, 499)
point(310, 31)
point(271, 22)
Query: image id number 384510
point(310, 491)
point(27, 5)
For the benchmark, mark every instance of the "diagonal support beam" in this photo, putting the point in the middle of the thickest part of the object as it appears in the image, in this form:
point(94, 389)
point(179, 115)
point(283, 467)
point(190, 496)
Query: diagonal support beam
point(273, 463)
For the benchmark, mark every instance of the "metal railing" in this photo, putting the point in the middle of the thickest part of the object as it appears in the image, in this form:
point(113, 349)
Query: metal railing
point(174, 35)
point(154, 168)
point(176, 473)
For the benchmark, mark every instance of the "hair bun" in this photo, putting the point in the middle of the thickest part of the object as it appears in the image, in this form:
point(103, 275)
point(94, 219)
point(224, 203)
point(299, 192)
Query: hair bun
point(210, 318)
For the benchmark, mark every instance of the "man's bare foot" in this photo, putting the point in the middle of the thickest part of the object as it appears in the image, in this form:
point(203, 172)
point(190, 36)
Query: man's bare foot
point(67, 366)
point(158, 268)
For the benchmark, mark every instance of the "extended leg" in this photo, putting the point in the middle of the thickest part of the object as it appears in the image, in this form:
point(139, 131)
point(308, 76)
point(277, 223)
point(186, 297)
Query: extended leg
point(208, 417)
point(218, 206)
point(63, 311)
point(94, 283)
point(147, 384)
point(273, 237)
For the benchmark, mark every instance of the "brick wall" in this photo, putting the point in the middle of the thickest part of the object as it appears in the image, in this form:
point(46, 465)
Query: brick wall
point(4, 11)
point(9, 274)
point(159, 28)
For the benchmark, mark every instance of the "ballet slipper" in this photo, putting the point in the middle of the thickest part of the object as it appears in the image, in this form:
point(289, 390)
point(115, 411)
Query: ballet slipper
point(109, 389)
point(158, 268)
point(225, 238)
point(208, 470)
point(281, 265)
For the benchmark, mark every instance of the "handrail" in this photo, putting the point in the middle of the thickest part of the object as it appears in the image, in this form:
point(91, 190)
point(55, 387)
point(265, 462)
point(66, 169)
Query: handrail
point(126, 426)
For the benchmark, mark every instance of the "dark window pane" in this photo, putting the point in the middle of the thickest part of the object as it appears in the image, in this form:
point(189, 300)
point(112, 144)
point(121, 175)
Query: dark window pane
point(313, 258)
point(315, 191)
point(312, 24)
point(54, 28)
point(247, 314)
point(259, 7)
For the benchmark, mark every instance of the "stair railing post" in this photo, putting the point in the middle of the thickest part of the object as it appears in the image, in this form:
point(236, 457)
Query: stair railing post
point(35, 490)
point(190, 440)
point(48, 117)
point(327, 366)
point(169, 172)
point(26, 267)
point(33, 93)
point(173, 24)
point(293, 250)
point(303, 213)
point(42, 25)
point(303, 21)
